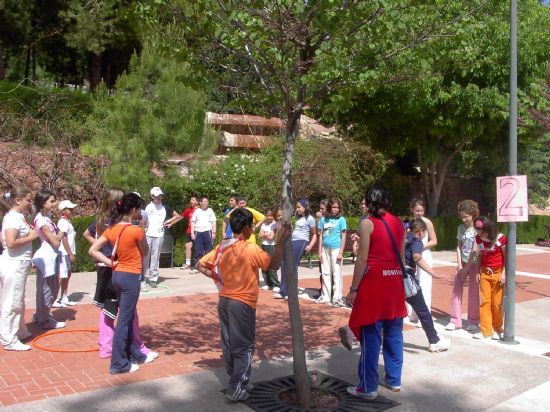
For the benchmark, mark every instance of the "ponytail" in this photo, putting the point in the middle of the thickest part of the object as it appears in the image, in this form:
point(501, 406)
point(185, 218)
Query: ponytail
point(377, 199)
point(125, 205)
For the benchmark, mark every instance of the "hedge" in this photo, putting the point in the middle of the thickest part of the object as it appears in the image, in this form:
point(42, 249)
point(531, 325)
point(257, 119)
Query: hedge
point(445, 227)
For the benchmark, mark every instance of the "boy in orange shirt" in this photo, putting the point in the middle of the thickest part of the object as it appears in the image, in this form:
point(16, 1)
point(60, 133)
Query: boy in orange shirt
point(234, 264)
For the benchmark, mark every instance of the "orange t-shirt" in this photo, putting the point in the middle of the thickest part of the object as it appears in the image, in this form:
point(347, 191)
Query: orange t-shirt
point(238, 267)
point(129, 256)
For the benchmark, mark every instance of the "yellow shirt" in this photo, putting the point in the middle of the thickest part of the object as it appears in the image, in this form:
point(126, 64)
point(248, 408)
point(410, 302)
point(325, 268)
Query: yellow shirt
point(256, 217)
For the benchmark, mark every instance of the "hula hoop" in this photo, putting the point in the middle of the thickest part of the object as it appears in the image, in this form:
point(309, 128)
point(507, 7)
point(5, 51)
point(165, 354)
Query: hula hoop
point(156, 291)
point(44, 348)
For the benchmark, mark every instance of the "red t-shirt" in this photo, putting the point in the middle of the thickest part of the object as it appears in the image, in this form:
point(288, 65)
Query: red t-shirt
point(381, 251)
point(188, 214)
point(491, 254)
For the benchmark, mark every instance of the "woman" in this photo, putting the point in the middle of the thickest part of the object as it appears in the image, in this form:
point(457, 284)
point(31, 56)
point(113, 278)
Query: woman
point(129, 247)
point(377, 296)
point(15, 264)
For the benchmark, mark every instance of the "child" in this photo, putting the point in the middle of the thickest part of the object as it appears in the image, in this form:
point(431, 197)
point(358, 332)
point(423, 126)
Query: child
point(203, 229)
point(129, 247)
point(331, 249)
point(414, 260)
point(257, 217)
point(105, 296)
point(235, 264)
point(226, 227)
point(15, 264)
point(304, 237)
point(418, 208)
point(491, 247)
point(68, 251)
point(159, 217)
point(46, 260)
point(466, 238)
point(188, 214)
point(267, 234)
point(320, 213)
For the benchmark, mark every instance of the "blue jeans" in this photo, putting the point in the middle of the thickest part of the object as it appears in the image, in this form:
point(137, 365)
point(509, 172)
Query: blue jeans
point(298, 247)
point(203, 244)
point(125, 349)
point(392, 344)
point(418, 303)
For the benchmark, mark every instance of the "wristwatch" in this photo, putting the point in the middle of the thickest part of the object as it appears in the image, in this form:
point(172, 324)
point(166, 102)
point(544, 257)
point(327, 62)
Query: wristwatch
point(353, 290)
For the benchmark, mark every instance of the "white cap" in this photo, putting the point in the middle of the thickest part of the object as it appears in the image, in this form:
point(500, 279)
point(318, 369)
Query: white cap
point(156, 191)
point(66, 204)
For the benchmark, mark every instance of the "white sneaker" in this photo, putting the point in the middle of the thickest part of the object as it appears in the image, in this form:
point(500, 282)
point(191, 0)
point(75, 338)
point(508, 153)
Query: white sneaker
point(151, 356)
point(472, 328)
point(67, 302)
point(144, 287)
point(278, 296)
point(352, 390)
point(441, 346)
point(134, 368)
point(481, 336)
point(450, 326)
point(264, 287)
point(276, 289)
point(497, 336)
point(58, 304)
point(17, 346)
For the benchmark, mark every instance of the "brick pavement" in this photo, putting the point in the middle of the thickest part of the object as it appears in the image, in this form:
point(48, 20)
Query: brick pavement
point(184, 330)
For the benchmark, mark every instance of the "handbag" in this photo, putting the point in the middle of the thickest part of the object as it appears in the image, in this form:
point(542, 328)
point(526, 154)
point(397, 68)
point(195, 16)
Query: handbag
point(410, 285)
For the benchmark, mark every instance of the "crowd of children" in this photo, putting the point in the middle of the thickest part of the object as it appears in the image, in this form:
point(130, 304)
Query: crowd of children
point(126, 240)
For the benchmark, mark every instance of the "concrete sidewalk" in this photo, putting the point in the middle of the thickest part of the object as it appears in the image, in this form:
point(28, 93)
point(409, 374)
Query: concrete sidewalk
point(472, 375)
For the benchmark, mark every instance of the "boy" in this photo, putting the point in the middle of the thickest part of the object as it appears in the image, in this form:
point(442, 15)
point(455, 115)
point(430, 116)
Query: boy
point(203, 229)
point(258, 218)
point(68, 251)
point(235, 264)
point(156, 218)
point(226, 227)
point(413, 258)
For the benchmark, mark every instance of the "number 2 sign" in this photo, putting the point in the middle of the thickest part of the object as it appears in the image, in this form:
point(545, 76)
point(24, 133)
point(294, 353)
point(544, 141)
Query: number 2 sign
point(512, 204)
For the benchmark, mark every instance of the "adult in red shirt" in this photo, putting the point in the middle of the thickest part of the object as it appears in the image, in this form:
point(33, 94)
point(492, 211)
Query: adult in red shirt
point(188, 214)
point(377, 296)
point(129, 248)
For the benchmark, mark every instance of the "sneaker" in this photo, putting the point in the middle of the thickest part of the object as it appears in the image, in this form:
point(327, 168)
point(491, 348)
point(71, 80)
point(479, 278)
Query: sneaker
point(54, 325)
point(17, 346)
point(440, 346)
point(58, 304)
point(153, 284)
point(346, 337)
point(144, 287)
point(237, 396)
point(264, 287)
point(496, 336)
point(338, 304)
point(353, 390)
point(391, 387)
point(472, 328)
point(185, 267)
point(320, 300)
point(276, 289)
point(480, 335)
point(451, 326)
point(193, 270)
point(278, 296)
point(134, 368)
point(67, 302)
point(151, 356)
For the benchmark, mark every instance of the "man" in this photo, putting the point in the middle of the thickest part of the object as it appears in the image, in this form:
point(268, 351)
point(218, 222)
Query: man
point(203, 228)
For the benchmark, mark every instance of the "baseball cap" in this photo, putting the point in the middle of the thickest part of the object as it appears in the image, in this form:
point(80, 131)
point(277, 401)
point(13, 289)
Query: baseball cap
point(156, 191)
point(66, 204)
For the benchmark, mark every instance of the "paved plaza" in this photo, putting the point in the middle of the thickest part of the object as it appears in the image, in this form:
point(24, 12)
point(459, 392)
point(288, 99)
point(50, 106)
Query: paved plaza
point(179, 320)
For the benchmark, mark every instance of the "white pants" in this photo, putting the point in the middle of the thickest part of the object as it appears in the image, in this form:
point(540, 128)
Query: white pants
point(151, 261)
point(425, 281)
point(331, 273)
point(13, 277)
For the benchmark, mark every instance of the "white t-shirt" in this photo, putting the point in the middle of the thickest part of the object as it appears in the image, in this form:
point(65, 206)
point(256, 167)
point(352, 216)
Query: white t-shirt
point(39, 222)
point(16, 220)
point(268, 228)
point(156, 216)
point(67, 227)
point(203, 219)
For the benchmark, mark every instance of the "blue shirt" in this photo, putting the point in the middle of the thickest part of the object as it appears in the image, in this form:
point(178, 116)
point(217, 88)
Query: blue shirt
point(332, 229)
point(302, 228)
point(413, 245)
point(228, 231)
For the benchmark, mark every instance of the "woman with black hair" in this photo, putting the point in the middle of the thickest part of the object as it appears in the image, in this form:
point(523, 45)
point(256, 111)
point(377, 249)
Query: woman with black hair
point(377, 296)
point(129, 247)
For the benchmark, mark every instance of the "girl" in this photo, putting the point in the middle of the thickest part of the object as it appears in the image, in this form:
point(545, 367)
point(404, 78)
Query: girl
point(129, 247)
point(46, 259)
point(15, 264)
point(68, 251)
point(331, 250)
point(418, 208)
point(303, 239)
point(318, 216)
point(188, 214)
point(491, 246)
point(267, 234)
point(105, 296)
point(466, 235)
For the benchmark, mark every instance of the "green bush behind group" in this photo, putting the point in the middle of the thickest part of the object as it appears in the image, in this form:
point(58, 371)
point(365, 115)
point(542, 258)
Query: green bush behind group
point(445, 227)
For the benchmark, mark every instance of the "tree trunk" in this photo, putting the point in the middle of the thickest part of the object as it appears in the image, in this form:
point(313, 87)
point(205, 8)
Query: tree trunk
point(2, 67)
point(301, 377)
point(94, 71)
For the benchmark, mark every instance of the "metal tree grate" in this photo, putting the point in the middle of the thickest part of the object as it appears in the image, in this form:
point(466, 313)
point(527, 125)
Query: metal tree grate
point(266, 395)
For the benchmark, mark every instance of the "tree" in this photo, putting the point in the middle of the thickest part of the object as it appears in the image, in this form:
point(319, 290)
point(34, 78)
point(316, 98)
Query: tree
point(455, 96)
point(292, 53)
point(152, 113)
